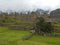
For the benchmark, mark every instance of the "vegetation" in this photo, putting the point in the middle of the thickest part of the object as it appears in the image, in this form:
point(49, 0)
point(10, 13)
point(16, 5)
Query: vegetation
point(15, 26)
point(14, 37)
point(43, 27)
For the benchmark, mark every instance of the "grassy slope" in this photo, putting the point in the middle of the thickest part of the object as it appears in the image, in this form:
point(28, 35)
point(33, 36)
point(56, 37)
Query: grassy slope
point(13, 37)
point(46, 39)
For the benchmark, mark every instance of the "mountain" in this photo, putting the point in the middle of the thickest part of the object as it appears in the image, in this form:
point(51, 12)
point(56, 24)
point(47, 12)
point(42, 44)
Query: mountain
point(41, 11)
point(55, 14)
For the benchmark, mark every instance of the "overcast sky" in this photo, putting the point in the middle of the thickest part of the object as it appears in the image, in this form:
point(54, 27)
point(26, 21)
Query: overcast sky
point(29, 4)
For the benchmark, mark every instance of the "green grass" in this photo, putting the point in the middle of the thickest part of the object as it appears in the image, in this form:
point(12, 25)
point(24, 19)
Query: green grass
point(46, 39)
point(14, 37)
point(58, 24)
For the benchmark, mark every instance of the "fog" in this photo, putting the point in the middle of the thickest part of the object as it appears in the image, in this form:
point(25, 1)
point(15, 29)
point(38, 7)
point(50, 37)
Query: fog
point(17, 5)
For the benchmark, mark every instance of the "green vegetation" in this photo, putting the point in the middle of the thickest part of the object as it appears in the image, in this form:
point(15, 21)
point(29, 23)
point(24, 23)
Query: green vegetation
point(43, 27)
point(14, 37)
point(23, 23)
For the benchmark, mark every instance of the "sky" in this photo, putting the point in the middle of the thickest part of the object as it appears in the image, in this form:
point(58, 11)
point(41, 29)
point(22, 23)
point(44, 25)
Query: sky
point(17, 5)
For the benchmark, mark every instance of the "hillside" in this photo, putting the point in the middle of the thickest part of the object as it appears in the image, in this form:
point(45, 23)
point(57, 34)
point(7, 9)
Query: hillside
point(14, 37)
point(55, 15)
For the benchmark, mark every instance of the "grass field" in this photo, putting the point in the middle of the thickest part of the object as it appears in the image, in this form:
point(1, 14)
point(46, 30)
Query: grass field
point(14, 37)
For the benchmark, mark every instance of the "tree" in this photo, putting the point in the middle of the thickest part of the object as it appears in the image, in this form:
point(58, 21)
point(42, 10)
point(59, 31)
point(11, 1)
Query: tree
point(43, 27)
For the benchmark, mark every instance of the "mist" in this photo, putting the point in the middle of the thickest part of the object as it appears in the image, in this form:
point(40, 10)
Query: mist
point(21, 5)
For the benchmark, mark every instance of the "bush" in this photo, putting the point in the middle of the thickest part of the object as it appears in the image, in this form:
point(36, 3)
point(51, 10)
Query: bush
point(43, 27)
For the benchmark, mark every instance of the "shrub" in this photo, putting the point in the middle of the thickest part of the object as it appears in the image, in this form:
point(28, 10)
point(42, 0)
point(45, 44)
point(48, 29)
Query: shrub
point(43, 27)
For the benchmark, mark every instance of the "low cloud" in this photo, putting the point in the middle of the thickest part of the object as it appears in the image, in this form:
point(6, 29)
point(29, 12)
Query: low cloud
point(29, 4)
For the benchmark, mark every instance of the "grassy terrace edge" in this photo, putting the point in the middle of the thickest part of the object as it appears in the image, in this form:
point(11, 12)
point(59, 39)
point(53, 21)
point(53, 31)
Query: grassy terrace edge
point(13, 37)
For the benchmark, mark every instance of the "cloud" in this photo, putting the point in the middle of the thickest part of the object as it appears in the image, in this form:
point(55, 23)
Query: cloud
point(28, 4)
